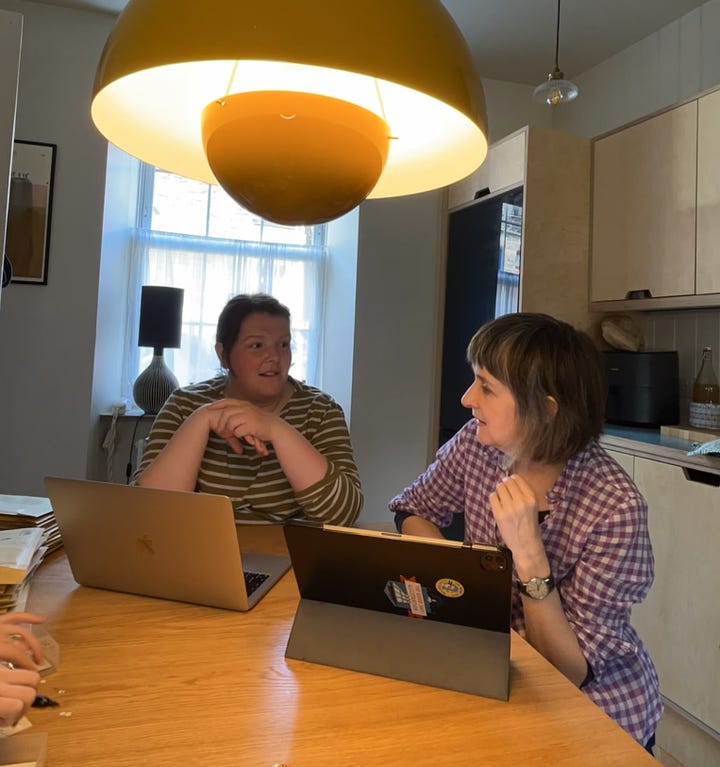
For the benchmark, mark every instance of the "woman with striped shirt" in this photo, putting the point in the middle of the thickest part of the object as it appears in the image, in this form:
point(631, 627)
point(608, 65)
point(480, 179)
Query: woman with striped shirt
point(277, 447)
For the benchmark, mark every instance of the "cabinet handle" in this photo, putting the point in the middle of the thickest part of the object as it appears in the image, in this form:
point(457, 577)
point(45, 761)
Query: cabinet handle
point(703, 477)
point(633, 295)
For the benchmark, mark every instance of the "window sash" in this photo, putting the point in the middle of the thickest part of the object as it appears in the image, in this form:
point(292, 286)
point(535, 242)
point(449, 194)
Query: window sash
point(211, 270)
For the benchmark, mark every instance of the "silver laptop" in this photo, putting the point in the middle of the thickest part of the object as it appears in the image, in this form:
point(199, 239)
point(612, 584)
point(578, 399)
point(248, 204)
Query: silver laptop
point(160, 543)
point(418, 609)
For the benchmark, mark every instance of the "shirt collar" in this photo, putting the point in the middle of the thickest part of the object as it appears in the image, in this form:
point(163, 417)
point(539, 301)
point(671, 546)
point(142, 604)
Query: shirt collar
point(572, 466)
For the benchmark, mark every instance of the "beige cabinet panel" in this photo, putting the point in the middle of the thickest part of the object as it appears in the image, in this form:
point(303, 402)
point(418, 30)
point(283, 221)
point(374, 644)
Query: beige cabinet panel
point(554, 168)
point(708, 194)
point(680, 619)
point(643, 230)
point(556, 219)
point(504, 167)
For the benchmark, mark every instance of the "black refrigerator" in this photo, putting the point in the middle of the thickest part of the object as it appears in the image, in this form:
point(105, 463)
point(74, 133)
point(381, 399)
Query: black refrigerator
point(482, 282)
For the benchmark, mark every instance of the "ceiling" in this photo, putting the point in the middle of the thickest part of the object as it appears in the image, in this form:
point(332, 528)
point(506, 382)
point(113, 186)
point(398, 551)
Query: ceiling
point(514, 40)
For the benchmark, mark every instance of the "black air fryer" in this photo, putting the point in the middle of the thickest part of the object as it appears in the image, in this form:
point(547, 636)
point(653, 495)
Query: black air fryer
point(642, 388)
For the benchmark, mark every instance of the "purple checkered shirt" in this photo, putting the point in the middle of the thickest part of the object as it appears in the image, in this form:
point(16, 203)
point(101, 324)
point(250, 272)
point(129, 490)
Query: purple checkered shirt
point(597, 542)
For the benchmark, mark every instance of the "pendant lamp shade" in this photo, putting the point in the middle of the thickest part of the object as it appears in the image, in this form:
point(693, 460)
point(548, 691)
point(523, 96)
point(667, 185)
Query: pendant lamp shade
point(299, 109)
point(556, 89)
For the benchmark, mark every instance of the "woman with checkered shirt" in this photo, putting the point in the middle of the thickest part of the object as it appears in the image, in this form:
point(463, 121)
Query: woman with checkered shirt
point(527, 472)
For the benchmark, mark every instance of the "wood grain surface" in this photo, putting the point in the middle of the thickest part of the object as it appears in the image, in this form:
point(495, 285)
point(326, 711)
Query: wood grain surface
point(144, 681)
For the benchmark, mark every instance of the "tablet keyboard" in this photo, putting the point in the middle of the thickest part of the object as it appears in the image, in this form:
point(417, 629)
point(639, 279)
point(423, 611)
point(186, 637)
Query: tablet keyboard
point(253, 580)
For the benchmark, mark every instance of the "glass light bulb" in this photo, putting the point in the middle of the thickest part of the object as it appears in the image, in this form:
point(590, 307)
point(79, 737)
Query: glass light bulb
point(555, 90)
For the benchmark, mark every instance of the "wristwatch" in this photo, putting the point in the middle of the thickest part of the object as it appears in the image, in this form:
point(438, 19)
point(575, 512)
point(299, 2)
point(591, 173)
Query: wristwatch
point(536, 588)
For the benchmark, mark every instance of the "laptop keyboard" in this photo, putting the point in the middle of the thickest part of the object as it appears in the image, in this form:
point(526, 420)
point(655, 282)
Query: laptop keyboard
point(254, 580)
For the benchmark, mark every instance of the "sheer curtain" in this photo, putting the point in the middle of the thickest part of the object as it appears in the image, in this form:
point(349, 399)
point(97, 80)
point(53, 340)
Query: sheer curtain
point(507, 297)
point(211, 270)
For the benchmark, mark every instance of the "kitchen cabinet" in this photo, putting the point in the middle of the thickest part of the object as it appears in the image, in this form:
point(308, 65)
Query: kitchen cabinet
point(708, 195)
point(554, 170)
point(524, 246)
point(656, 211)
point(643, 212)
point(681, 600)
point(680, 620)
point(504, 167)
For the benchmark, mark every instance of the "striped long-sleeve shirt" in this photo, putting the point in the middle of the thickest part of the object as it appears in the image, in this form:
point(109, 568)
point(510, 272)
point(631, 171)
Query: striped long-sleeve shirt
point(257, 485)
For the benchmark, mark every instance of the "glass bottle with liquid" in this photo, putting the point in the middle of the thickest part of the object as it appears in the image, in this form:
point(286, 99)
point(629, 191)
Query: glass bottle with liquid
point(705, 388)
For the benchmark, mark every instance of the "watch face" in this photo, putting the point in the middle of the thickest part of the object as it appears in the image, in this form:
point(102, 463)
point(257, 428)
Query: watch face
point(537, 588)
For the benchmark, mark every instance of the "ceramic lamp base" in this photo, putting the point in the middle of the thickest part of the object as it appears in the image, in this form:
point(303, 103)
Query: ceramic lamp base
point(154, 385)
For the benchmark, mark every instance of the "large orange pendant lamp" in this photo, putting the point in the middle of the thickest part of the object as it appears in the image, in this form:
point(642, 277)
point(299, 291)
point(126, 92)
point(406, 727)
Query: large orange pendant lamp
point(299, 109)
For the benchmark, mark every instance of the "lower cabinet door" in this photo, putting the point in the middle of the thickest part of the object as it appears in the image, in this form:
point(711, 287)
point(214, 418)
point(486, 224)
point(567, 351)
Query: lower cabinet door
point(680, 619)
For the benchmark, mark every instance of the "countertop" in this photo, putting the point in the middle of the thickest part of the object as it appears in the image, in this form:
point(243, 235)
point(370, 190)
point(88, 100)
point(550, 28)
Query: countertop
point(650, 443)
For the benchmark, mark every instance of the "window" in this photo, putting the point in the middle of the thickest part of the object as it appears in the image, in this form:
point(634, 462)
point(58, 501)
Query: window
point(193, 236)
point(507, 298)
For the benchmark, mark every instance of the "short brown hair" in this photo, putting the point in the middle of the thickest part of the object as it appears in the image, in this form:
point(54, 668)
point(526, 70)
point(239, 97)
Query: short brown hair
point(537, 356)
point(237, 309)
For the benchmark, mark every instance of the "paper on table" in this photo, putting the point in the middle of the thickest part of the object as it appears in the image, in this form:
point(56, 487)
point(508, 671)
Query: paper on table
point(17, 549)
point(23, 724)
point(706, 448)
point(26, 505)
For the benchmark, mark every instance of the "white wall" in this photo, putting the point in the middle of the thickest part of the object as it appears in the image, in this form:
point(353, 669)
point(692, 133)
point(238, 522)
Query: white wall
point(395, 360)
point(52, 381)
point(58, 342)
point(336, 357)
point(112, 308)
point(47, 332)
point(510, 107)
point(10, 45)
point(674, 64)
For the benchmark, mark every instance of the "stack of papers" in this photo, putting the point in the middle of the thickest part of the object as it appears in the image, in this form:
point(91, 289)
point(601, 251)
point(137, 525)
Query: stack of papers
point(28, 532)
point(30, 511)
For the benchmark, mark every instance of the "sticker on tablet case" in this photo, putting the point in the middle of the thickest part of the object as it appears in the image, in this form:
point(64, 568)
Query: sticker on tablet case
point(449, 587)
point(407, 593)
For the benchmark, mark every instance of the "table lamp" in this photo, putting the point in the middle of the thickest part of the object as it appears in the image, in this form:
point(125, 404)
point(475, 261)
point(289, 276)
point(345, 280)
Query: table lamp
point(160, 327)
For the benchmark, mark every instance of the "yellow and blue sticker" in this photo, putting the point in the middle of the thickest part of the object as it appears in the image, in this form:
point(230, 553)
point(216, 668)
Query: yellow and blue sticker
point(412, 596)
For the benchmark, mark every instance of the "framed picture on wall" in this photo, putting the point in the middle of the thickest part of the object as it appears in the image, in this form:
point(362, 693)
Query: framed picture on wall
point(27, 242)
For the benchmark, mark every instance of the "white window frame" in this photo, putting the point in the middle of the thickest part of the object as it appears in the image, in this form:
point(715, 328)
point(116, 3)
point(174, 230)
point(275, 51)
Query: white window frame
point(263, 261)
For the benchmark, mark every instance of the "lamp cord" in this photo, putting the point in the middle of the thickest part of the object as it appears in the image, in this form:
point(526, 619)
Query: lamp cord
point(128, 468)
point(557, 37)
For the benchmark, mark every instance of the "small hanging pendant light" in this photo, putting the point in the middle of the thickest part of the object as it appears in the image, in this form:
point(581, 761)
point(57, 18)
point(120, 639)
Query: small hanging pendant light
point(556, 89)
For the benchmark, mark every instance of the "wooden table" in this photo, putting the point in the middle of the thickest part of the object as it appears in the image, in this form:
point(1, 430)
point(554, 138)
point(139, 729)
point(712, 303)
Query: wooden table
point(144, 681)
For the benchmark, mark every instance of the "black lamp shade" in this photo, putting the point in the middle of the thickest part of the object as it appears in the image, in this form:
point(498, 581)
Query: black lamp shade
point(160, 317)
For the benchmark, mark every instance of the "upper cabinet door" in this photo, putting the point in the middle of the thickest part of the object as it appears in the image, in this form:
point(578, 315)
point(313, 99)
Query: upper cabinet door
point(504, 167)
point(708, 194)
point(644, 191)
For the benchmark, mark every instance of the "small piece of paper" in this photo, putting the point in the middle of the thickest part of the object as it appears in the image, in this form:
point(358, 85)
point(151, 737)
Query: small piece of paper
point(23, 724)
